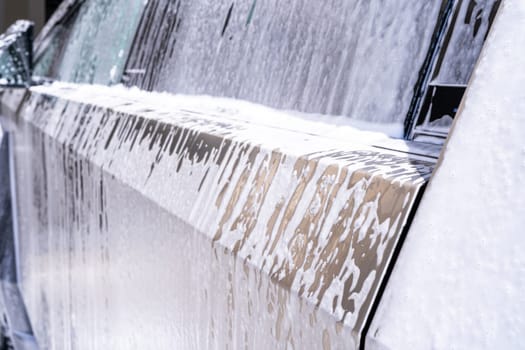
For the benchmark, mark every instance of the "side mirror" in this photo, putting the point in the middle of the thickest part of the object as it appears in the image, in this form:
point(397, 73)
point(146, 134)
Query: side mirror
point(16, 55)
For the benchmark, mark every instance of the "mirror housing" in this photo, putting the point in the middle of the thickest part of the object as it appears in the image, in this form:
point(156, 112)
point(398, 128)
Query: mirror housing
point(16, 55)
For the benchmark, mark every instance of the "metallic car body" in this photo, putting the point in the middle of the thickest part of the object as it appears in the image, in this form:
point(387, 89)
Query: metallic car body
point(199, 227)
point(327, 238)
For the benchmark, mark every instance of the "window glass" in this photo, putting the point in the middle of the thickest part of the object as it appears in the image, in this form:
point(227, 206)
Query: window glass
point(360, 59)
point(49, 51)
point(95, 44)
point(453, 59)
point(467, 36)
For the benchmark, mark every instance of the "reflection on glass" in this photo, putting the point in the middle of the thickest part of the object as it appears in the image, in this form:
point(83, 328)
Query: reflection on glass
point(93, 47)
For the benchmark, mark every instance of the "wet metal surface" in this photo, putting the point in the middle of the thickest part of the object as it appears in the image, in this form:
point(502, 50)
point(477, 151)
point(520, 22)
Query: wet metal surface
point(15, 321)
point(199, 229)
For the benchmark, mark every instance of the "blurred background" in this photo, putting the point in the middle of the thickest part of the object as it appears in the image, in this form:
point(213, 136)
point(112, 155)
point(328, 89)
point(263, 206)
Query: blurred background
point(37, 11)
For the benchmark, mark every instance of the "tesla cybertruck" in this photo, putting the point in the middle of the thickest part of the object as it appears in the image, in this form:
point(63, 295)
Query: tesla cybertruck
point(249, 174)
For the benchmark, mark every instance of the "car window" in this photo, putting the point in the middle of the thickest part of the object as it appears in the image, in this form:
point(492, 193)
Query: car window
point(359, 59)
point(50, 43)
point(92, 45)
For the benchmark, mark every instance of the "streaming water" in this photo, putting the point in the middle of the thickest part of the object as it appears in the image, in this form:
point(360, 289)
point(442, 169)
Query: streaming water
point(356, 58)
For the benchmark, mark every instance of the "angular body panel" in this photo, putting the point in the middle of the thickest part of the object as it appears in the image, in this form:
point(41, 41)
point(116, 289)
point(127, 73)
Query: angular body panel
point(314, 226)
